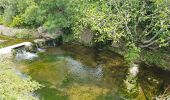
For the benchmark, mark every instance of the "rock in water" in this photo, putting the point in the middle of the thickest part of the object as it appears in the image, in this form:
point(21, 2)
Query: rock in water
point(1, 41)
point(134, 70)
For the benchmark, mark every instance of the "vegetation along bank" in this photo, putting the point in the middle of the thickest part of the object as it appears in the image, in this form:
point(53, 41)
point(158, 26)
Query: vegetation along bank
point(139, 30)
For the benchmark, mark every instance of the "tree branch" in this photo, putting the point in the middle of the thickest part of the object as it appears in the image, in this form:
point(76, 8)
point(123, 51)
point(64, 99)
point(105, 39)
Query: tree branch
point(151, 39)
point(147, 45)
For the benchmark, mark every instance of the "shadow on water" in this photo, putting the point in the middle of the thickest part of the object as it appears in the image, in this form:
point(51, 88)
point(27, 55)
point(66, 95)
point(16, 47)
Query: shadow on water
point(73, 72)
point(153, 80)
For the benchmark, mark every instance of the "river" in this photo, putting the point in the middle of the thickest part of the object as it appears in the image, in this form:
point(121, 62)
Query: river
point(75, 72)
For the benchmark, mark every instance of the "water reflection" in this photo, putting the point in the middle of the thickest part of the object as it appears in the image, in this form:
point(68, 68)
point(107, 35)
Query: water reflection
point(72, 72)
point(80, 71)
point(84, 72)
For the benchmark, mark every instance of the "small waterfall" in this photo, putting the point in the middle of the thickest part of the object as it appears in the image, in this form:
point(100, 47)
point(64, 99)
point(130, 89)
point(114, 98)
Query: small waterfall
point(54, 44)
point(22, 54)
point(38, 48)
point(36, 45)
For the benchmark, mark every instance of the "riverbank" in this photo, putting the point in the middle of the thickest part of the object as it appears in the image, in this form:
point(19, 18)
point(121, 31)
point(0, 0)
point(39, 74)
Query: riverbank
point(158, 58)
point(14, 84)
point(95, 59)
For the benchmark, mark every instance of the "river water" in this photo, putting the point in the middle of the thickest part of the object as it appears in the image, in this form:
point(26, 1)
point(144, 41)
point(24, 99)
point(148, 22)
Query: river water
point(74, 72)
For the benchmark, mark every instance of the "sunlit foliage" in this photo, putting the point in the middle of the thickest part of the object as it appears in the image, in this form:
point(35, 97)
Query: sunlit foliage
point(14, 86)
point(142, 23)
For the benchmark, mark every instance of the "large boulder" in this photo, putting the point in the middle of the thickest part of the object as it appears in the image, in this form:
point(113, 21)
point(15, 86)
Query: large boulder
point(40, 42)
point(86, 37)
point(42, 33)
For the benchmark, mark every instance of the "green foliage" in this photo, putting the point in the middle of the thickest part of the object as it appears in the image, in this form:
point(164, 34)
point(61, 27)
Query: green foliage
point(156, 58)
point(132, 54)
point(136, 21)
point(68, 38)
point(31, 15)
point(17, 20)
point(34, 13)
point(143, 23)
point(1, 19)
point(9, 13)
point(55, 13)
point(13, 86)
point(55, 22)
point(23, 35)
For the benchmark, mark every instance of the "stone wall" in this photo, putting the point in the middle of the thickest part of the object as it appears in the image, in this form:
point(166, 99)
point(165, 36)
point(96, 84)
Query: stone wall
point(34, 33)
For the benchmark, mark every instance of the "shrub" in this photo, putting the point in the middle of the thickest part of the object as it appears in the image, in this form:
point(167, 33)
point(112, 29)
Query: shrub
point(13, 86)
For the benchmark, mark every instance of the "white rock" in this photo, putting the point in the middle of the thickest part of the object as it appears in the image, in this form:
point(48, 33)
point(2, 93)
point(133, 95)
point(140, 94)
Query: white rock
point(134, 70)
point(8, 50)
point(1, 41)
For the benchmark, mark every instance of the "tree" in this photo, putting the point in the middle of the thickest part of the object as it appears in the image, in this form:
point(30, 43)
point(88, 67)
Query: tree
point(138, 24)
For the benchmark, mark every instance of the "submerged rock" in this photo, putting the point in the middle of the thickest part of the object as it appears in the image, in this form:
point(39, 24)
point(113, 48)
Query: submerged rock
point(2, 41)
point(134, 70)
point(86, 92)
point(131, 89)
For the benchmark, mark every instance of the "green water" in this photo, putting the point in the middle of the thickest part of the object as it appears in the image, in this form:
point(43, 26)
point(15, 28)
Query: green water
point(11, 41)
point(73, 72)
point(76, 73)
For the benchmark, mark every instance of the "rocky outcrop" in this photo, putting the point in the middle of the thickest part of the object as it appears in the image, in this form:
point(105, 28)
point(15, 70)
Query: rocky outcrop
point(8, 31)
point(8, 50)
point(40, 42)
point(42, 33)
point(34, 33)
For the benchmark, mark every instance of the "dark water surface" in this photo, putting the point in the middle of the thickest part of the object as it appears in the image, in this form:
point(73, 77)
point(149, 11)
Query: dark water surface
point(73, 72)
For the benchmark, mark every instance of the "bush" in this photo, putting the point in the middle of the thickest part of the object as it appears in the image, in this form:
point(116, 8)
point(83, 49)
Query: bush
point(17, 21)
point(132, 54)
point(13, 86)
point(1, 19)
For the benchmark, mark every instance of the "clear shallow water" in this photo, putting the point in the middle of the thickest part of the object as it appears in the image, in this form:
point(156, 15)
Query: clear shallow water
point(72, 72)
